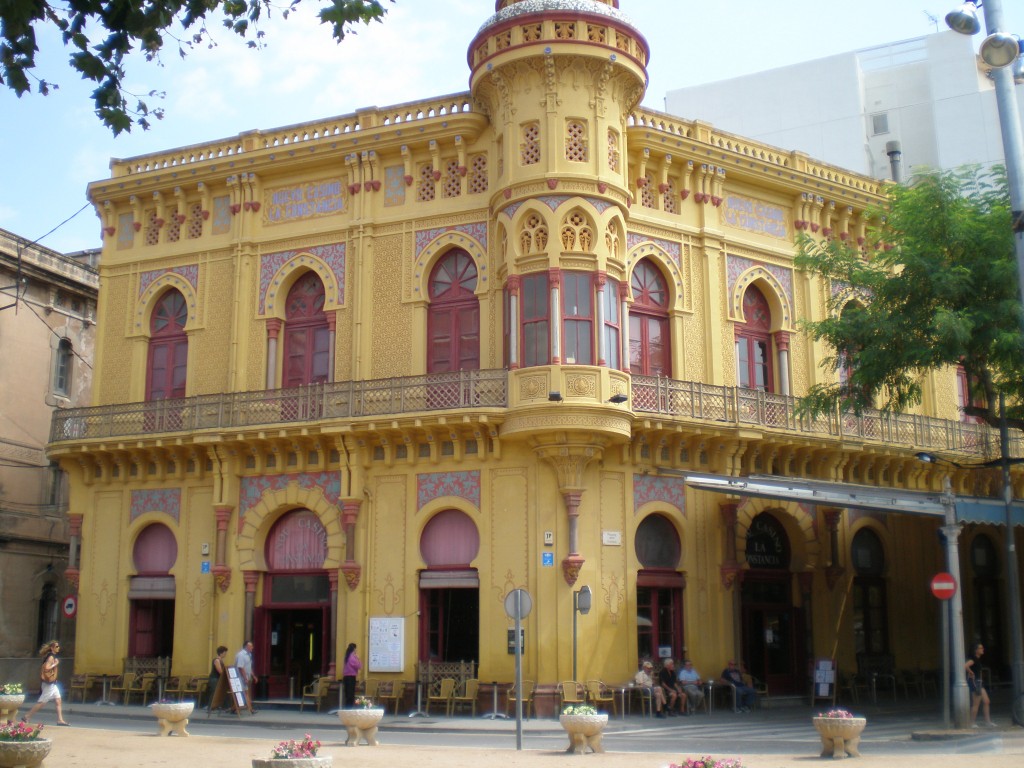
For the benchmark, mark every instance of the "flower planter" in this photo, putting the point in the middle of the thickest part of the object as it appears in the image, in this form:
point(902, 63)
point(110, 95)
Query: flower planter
point(584, 731)
point(24, 753)
point(9, 705)
point(840, 736)
point(292, 762)
point(361, 724)
point(173, 716)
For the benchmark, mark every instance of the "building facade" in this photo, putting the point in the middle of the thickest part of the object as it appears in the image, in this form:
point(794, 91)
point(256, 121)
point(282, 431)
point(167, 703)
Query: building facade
point(359, 379)
point(931, 96)
point(47, 329)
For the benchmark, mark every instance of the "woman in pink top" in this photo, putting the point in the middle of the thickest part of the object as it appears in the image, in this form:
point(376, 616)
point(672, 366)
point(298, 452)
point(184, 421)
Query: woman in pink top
point(348, 675)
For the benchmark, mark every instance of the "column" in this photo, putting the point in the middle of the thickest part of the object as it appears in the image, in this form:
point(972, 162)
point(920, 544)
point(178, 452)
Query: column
point(273, 331)
point(555, 286)
point(624, 322)
point(782, 345)
point(602, 354)
point(332, 323)
point(349, 515)
point(573, 561)
point(221, 571)
point(251, 579)
point(512, 285)
point(834, 571)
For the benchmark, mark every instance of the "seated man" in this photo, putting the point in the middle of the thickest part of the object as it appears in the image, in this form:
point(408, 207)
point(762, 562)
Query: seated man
point(692, 685)
point(645, 682)
point(669, 684)
point(745, 695)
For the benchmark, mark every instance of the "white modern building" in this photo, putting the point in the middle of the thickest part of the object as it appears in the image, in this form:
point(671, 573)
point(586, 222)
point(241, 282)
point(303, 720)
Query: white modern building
point(933, 95)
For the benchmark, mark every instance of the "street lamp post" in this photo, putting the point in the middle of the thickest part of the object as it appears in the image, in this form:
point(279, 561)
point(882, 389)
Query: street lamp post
point(581, 599)
point(958, 652)
point(1001, 50)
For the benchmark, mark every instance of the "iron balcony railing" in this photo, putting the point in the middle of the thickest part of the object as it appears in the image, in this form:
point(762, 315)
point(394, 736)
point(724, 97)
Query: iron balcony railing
point(316, 402)
point(735, 406)
point(688, 401)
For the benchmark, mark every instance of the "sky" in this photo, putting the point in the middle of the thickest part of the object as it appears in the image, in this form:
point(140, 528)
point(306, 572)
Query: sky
point(54, 146)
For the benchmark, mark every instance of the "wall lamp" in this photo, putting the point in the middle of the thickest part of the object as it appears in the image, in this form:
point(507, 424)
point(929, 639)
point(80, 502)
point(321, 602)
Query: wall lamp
point(618, 398)
point(555, 397)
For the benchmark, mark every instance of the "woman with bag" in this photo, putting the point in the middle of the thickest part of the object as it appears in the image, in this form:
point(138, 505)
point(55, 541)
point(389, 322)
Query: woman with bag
point(48, 678)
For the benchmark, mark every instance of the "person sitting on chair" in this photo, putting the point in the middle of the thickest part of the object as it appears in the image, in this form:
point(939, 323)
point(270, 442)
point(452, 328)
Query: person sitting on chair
point(645, 683)
point(692, 684)
point(673, 690)
point(745, 695)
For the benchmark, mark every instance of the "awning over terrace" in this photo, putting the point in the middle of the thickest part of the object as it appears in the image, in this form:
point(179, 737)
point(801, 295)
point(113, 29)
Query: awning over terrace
point(969, 509)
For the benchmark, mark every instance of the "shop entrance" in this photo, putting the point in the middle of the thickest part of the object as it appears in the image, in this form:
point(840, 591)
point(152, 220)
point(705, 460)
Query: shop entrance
point(296, 649)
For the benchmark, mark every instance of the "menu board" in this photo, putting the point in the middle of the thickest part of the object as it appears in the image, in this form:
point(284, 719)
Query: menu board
point(387, 644)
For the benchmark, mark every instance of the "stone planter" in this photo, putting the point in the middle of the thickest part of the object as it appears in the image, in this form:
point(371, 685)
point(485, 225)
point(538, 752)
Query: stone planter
point(172, 717)
point(840, 736)
point(292, 762)
point(24, 753)
point(9, 705)
point(361, 724)
point(584, 732)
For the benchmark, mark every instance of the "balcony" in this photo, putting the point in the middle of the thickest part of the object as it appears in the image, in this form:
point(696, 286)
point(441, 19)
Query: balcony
point(678, 402)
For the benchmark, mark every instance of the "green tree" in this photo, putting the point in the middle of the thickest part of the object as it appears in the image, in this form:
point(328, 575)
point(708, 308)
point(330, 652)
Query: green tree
point(934, 285)
point(100, 33)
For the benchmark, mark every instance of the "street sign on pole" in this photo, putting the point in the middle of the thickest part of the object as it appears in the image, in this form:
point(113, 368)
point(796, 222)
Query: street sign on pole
point(943, 586)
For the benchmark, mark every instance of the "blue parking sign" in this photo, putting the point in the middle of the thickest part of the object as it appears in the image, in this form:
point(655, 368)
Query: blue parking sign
point(547, 559)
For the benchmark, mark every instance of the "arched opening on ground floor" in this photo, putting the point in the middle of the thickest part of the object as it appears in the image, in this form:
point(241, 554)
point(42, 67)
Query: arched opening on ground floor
point(292, 628)
point(659, 590)
point(772, 628)
point(151, 593)
point(449, 589)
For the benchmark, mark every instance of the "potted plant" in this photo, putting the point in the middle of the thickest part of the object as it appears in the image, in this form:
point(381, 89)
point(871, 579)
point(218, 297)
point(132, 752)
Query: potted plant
point(707, 761)
point(361, 721)
point(294, 754)
point(12, 696)
point(840, 733)
point(584, 725)
point(21, 745)
point(172, 716)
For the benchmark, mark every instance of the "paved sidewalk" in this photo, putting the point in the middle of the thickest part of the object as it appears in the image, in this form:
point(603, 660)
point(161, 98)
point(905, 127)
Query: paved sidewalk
point(87, 745)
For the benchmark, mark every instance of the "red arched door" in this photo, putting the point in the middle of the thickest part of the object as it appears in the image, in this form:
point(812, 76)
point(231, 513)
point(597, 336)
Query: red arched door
point(168, 348)
point(453, 321)
point(648, 323)
point(307, 334)
point(754, 343)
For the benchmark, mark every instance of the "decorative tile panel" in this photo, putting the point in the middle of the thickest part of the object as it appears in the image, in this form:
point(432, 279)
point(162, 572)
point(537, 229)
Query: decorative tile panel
point(166, 500)
point(331, 255)
point(463, 485)
point(190, 273)
point(645, 243)
point(478, 232)
point(670, 490)
point(252, 488)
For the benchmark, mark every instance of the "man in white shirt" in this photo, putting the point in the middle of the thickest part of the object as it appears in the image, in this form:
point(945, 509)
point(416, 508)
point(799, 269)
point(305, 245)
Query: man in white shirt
point(243, 661)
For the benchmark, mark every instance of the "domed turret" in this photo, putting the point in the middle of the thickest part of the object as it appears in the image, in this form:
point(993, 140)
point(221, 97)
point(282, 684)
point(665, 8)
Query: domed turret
point(559, 78)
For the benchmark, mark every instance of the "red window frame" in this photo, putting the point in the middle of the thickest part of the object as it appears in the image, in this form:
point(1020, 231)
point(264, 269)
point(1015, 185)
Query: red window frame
point(578, 318)
point(754, 343)
point(649, 347)
point(307, 333)
point(536, 322)
point(167, 358)
point(453, 319)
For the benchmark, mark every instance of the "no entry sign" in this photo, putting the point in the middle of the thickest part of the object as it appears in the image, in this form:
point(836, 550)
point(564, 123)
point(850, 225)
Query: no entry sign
point(943, 586)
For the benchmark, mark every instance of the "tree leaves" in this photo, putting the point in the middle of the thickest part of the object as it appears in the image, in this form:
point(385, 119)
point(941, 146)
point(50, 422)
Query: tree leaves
point(100, 33)
point(942, 290)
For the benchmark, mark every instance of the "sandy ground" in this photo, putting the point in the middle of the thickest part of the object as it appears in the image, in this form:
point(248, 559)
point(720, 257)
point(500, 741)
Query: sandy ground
point(96, 748)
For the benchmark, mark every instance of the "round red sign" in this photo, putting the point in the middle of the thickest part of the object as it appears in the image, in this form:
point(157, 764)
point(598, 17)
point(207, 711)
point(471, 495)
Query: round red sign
point(70, 606)
point(943, 586)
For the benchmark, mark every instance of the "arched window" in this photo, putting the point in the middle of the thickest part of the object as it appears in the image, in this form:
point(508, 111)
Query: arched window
point(659, 587)
point(870, 610)
point(449, 588)
point(151, 593)
point(307, 334)
point(754, 343)
point(62, 368)
point(453, 321)
point(168, 348)
point(648, 322)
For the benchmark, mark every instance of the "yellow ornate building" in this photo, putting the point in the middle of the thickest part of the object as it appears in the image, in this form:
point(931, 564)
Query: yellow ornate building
point(358, 379)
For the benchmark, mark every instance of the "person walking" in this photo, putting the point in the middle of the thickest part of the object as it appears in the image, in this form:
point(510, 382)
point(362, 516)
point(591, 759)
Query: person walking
point(348, 676)
point(243, 661)
point(979, 694)
point(216, 672)
point(48, 678)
